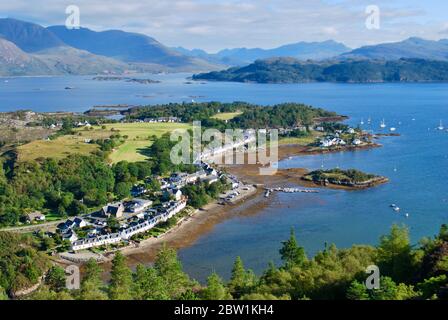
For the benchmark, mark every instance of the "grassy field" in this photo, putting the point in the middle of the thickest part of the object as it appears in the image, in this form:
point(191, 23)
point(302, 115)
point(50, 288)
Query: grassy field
point(58, 149)
point(299, 140)
point(226, 115)
point(138, 137)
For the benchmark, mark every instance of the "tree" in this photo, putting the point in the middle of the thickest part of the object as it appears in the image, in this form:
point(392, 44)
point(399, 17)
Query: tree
point(122, 190)
point(55, 278)
point(215, 289)
point(241, 280)
point(238, 275)
point(3, 295)
point(148, 285)
point(389, 290)
point(394, 254)
point(121, 279)
point(291, 253)
point(357, 291)
point(91, 285)
point(169, 269)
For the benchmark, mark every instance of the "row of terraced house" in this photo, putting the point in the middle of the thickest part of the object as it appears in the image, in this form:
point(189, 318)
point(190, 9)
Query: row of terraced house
point(170, 210)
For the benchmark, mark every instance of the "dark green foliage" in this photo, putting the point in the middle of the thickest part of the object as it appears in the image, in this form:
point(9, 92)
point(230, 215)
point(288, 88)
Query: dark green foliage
point(21, 265)
point(91, 284)
point(56, 186)
point(291, 253)
point(121, 279)
point(332, 274)
point(67, 187)
point(288, 70)
point(253, 116)
point(339, 176)
point(215, 289)
point(187, 112)
point(202, 193)
point(55, 278)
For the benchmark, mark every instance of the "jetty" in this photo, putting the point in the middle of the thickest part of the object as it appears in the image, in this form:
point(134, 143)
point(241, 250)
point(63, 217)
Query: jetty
point(269, 191)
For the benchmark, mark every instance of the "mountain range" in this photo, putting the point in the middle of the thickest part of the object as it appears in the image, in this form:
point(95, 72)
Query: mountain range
point(30, 49)
point(409, 48)
point(300, 50)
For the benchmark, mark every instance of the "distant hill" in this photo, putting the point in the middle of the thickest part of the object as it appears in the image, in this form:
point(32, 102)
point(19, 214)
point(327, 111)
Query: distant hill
point(27, 36)
point(128, 47)
point(28, 49)
point(288, 70)
point(54, 61)
point(300, 50)
point(410, 48)
point(16, 62)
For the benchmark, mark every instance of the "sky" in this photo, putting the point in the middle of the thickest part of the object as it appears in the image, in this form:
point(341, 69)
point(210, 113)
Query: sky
point(213, 25)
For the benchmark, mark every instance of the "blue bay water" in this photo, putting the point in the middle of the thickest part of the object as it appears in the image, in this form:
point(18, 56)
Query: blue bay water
point(416, 162)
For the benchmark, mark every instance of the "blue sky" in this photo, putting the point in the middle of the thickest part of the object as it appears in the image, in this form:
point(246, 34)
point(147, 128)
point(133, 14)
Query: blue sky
point(218, 24)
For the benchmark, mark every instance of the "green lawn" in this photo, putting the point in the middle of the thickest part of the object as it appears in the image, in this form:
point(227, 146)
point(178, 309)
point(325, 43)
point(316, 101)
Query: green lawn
point(300, 140)
point(138, 137)
point(57, 149)
point(226, 115)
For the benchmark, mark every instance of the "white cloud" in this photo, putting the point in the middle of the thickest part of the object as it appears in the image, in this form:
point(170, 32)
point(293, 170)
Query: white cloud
point(213, 24)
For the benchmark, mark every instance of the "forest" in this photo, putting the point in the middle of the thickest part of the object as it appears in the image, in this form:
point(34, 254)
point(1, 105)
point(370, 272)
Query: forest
point(408, 272)
point(283, 115)
point(289, 70)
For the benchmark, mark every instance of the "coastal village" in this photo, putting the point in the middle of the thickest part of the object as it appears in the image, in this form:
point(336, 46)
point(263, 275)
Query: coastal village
point(123, 222)
point(139, 215)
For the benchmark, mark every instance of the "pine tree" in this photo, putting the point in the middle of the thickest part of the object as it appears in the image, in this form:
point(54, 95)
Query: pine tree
point(121, 279)
point(215, 289)
point(91, 284)
point(238, 276)
point(291, 253)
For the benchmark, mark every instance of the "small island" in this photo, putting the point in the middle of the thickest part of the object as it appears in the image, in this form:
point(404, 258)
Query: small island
point(126, 79)
point(351, 178)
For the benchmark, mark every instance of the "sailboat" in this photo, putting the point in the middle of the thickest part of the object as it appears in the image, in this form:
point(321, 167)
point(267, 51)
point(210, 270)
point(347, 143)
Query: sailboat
point(362, 121)
point(383, 124)
point(440, 127)
point(369, 120)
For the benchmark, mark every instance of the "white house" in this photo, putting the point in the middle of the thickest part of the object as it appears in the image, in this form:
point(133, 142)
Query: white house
point(174, 192)
point(139, 205)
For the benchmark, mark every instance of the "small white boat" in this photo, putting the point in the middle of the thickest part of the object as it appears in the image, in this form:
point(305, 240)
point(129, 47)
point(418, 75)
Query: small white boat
point(396, 209)
point(362, 121)
point(407, 215)
point(440, 127)
point(383, 124)
point(393, 129)
point(393, 205)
